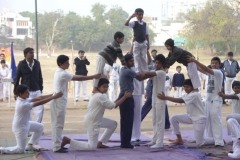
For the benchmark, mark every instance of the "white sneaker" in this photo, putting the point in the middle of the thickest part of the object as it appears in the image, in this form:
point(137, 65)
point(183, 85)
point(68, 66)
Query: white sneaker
point(149, 144)
point(31, 148)
point(156, 146)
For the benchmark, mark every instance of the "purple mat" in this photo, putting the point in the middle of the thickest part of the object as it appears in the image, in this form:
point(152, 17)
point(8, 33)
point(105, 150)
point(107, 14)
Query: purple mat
point(115, 152)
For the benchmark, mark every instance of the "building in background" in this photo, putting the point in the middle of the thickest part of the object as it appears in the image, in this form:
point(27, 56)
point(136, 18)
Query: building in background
point(15, 26)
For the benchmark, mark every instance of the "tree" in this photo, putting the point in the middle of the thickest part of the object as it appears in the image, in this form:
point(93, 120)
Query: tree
point(49, 27)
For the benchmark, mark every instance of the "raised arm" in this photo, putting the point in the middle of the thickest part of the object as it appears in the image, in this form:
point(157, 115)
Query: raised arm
point(228, 96)
point(84, 78)
point(200, 65)
point(41, 97)
point(172, 99)
point(47, 99)
point(128, 20)
point(120, 101)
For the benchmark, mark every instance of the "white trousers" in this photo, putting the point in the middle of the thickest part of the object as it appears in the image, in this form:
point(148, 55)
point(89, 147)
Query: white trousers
point(58, 112)
point(234, 116)
point(136, 132)
point(198, 127)
point(140, 59)
point(228, 84)
point(100, 63)
point(38, 111)
point(21, 135)
point(234, 127)
point(193, 75)
point(158, 116)
point(93, 132)
point(113, 89)
point(78, 85)
point(4, 90)
point(178, 92)
point(167, 92)
point(214, 121)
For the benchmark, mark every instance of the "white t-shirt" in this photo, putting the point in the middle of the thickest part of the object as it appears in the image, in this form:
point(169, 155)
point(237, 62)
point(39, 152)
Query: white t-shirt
point(214, 85)
point(113, 71)
point(22, 113)
point(5, 72)
point(95, 109)
point(200, 75)
point(158, 86)
point(105, 69)
point(132, 24)
point(194, 105)
point(236, 104)
point(61, 78)
point(168, 79)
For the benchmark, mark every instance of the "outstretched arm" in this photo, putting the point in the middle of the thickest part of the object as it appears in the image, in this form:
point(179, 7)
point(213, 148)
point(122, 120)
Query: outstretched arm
point(127, 22)
point(84, 78)
point(41, 97)
point(176, 100)
point(200, 65)
point(228, 96)
point(47, 99)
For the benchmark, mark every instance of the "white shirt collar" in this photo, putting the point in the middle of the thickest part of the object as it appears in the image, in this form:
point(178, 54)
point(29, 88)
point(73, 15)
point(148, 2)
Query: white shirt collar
point(29, 65)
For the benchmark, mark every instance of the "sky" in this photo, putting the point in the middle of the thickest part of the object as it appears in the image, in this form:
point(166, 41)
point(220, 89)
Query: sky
point(82, 7)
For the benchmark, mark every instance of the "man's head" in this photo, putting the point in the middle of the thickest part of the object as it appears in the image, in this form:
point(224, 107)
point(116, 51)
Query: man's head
point(2, 56)
point(81, 53)
point(236, 87)
point(63, 61)
point(3, 63)
point(154, 53)
point(169, 44)
point(28, 53)
point(119, 37)
point(103, 85)
point(215, 63)
point(187, 85)
point(159, 61)
point(139, 13)
point(129, 60)
point(230, 56)
point(178, 68)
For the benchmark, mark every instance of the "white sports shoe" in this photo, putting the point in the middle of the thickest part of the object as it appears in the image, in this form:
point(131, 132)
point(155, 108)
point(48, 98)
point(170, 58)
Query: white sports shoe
point(149, 144)
point(31, 148)
point(156, 146)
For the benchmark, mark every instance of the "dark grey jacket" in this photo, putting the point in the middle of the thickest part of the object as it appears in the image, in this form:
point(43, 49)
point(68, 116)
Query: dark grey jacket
point(111, 52)
point(179, 55)
point(232, 69)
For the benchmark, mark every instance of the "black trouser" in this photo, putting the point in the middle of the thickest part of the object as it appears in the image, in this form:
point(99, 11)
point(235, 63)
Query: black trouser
point(148, 106)
point(126, 120)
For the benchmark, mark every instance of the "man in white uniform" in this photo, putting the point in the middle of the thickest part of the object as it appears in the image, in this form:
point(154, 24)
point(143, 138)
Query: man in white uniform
point(58, 106)
point(213, 100)
point(5, 75)
point(113, 75)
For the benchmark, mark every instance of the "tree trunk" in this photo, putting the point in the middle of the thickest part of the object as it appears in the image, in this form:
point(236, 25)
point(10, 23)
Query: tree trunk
point(211, 48)
point(89, 48)
point(228, 46)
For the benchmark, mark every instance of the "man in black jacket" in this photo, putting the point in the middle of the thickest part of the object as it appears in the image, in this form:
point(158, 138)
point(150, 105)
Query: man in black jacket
point(80, 62)
point(29, 71)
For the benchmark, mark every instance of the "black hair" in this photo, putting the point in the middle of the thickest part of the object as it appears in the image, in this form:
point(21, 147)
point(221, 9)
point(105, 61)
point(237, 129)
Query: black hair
point(169, 42)
point(230, 53)
point(165, 67)
point(118, 35)
point(62, 59)
point(178, 67)
point(161, 58)
point(81, 51)
point(103, 81)
point(21, 89)
point(3, 61)
point(154, 50)
point(188, 82)
point(235, 83)
point(139, 10)
point(26, 50)
point(216, 59)
point(127, 57)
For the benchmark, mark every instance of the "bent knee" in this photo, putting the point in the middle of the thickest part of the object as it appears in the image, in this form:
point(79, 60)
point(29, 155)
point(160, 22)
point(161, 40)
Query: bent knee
point(230, 121)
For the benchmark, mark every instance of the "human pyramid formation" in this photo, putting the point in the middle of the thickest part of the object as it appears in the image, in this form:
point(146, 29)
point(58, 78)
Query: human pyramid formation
point(206, 120)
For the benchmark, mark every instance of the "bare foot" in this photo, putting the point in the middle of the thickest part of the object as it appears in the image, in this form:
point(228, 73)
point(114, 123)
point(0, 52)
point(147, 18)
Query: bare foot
point(100, 145)
point(177, 142)
point(65, 141)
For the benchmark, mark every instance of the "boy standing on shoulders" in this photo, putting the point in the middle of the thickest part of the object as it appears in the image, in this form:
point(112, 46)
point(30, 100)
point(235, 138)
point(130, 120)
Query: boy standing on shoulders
point(141, 43)
point(58, 106)
point(213, 100)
